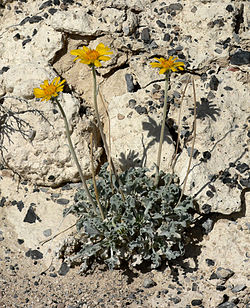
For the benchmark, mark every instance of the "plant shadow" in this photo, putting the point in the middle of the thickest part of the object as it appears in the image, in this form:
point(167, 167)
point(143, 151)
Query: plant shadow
point(11, 122)
point(206, 109)
point(132, 159)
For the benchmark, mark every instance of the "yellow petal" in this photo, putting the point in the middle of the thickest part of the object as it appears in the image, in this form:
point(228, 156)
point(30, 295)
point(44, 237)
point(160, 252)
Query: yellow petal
point(104, 58)
point(162, 70)
point(38, 93)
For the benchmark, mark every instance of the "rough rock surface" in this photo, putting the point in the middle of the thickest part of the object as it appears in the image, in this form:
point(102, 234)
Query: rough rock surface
point(212, 39)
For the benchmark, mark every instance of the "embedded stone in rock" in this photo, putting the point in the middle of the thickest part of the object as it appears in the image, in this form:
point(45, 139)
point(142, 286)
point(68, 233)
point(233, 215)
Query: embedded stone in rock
point(45, 4)
point(214, 82)
point(149, 283)
point(210, 262)
point(196, 302)
point(20, 205)
point(242, 167)
point(34, 254)
point(35, 19)
point(241, 57)
point(130, 82)
point(63, 269)
point(47, 232)
point(31, 216)
point(3, 200)
point(62, 201)
point(145, 35)
point(238, 288)
point(224, 273)
point(20, 241)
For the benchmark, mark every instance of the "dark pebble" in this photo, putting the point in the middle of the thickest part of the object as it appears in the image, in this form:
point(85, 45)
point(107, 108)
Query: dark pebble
point(129, 82)
point(145, 35)
point(242, 167)
point(57, 2)
point(220, 288)
point(52, 11)
point(175, 300)
point(141, 110)
point(238, 288)
point(26, 19)
point(17, 37)
point(241, 57)
point(175, 7)
point(196, 302)
point(195, 152)
point(34, 254)
point(34, 32)
point(45, 15)
point(160, 24)
point(62, 201)
point(166, 37)
point(31, 216)
point(20, 241)
point(206, 155)
point(214, 82)
point(3, 200)
point(51, 178)
point(24, 42)
point(224, 273)
point(213, 276)
point(210, 262)
point(148, 283)
point(53, 275)
point(194, 286)
point(45, 4)
point(63, 269)
point(228, 88)
point(229, 8)
point(20, 206)
point(206, 208)
point(4, 69)
point(209, 194)
point(35, 19)
point(245, 182)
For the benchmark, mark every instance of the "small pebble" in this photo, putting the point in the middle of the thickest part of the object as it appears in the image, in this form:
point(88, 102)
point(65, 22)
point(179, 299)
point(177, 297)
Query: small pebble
point(238, 288)
point(210, 262)
point(148, 283)
point(129, 82)
point(224, 273)
point(196, 302)
point(220, 288)
point(62, 201)
point(63, 269)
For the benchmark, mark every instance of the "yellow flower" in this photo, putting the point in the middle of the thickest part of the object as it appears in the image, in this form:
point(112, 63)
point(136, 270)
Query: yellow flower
point(49, 89)
point(167, 64)
point(92, 57)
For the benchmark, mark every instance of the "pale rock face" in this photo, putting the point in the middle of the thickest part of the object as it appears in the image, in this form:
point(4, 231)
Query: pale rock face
point(35, 145)
point(135, 137)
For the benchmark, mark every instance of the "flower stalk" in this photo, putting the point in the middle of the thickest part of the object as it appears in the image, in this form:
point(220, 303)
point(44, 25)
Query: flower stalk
point(73, 153)
point(165, 108)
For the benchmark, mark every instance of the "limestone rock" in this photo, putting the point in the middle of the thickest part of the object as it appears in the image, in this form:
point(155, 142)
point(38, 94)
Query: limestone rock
point(35, 146)
point(135, 134)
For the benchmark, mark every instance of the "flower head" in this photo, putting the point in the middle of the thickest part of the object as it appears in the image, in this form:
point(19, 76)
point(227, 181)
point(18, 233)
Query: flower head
point(92, 57)
point(167, 64)
point(49, 89)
